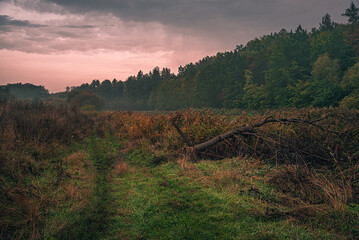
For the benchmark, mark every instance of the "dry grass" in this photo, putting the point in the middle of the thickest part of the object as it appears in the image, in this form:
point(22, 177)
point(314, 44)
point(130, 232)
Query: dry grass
point(120, 168)
point(305, 188)
point(277, 142)
point(42, 122)
point(33, 135)
point(236, 175)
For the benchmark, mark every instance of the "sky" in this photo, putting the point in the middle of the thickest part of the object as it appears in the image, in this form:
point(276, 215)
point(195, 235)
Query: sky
point(59, 43)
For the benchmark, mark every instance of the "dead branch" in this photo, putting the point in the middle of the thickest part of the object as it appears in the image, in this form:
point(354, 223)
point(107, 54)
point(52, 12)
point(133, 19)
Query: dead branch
point(220, 138)
point(244, 130)
point(186, 140)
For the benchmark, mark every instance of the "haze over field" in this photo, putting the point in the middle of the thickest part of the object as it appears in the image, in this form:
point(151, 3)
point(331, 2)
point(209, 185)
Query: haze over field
point(65, 43)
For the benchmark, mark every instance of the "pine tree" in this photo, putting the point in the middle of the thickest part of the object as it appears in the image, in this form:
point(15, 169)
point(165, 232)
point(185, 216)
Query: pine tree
point(352, 13)
point(326, 24)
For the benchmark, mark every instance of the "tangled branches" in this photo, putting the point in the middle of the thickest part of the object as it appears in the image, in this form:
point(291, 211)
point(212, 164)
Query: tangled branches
point(282, 139)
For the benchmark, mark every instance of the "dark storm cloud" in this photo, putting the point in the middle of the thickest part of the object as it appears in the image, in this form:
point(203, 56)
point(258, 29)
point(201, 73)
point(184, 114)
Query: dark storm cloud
point(164, 11)
point(218, 24)
point(6, 23)
point(192, 13)
point(174, 25)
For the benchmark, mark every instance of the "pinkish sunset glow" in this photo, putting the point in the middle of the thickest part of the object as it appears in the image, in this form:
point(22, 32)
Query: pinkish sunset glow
point(66, 43)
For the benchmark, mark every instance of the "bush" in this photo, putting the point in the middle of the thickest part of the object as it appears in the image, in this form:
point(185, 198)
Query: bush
point(84, 98)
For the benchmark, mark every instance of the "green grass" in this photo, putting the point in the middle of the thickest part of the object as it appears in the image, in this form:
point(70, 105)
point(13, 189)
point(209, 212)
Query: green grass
point(225, 199)
point(166, 202)
point(92, 222)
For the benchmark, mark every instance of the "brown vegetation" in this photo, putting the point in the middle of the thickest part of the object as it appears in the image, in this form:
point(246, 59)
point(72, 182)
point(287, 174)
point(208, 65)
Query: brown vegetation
point(36, 176)
point(293, 135)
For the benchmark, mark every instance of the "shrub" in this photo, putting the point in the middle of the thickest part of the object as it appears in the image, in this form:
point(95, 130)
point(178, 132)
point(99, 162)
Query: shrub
point(85, 98)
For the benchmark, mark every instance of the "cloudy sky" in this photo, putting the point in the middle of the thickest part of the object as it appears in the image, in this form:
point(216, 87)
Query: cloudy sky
point(59, 43)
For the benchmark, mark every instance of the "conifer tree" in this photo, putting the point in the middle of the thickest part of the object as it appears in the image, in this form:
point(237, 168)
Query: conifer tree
point(352, 13)
point(327, 23)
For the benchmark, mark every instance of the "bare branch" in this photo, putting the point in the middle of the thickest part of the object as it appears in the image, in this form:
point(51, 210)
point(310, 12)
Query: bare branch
point(187, 141)
point(244, 130)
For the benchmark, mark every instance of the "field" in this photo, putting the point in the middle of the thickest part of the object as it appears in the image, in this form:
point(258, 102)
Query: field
point(71, 174)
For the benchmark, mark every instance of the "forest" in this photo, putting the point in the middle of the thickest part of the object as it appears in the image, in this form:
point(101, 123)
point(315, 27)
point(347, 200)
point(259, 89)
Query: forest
point(295, 68)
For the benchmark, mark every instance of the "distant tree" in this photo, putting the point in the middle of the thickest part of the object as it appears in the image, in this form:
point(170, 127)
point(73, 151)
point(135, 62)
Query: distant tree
point(352, 13)
point(253, 94)
point(180, 70)
point(84, 87)
point(335, 44)
point(106, 83)
point(85, 98)
point(139, 75)
point(303, 96)
point(155, 75)
point(325, 83)
point(352, 100)
point(105, 90)
point(28, 91)
point(166, 73)
point(325, 69)
point(350, 80)
point(166, 96)
point(327, 23)
point(95, 83)
point(278, 76)
point(131, 87)
point(350, 83)
point(118, 87)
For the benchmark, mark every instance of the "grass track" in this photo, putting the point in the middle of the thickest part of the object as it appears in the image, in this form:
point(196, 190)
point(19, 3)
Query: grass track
point(93, 221)
point(204, 200)
point(163, 202)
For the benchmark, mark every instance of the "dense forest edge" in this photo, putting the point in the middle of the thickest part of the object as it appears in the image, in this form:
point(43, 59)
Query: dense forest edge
point(296, 68)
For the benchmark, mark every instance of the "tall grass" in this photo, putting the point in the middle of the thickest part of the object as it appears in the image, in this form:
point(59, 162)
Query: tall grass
point(38, 173)
point(335, 142)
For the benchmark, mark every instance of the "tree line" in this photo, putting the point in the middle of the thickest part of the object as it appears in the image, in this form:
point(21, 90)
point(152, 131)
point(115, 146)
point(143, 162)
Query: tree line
point(296, 68)
point(23, 91)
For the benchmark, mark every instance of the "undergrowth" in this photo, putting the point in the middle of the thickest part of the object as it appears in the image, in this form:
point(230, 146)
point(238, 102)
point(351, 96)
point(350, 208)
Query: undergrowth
point(45, 176)
point(66, 174)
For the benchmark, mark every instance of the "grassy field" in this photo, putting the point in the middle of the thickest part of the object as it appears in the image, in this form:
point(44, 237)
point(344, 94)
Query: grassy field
point(68, 174)
point(203, 200)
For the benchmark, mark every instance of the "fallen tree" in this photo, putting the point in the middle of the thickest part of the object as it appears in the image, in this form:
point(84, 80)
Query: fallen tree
point(249, 130)
point(243, 130)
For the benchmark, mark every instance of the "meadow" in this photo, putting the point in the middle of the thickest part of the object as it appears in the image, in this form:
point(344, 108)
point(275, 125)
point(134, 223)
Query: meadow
point(66, 173)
